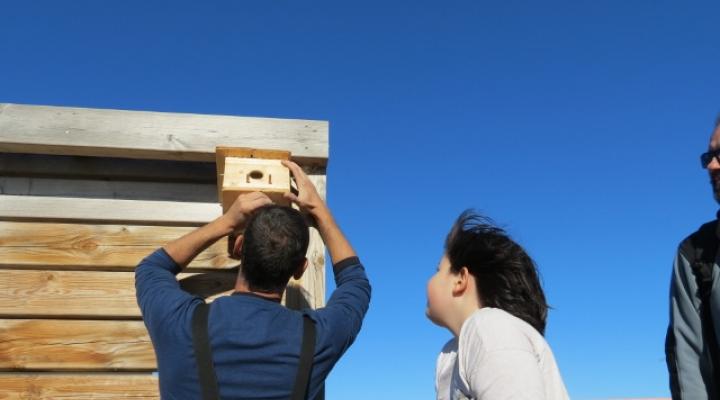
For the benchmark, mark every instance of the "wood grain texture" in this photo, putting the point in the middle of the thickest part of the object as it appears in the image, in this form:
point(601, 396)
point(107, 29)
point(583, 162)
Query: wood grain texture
point(99, 247)
point(65, 246)
point(221, 153)
point(65, 386)
point(309, 290)
point(90, 295)
point(62, 345)
point(153, 135)
point(107, 189)
point(38, 208)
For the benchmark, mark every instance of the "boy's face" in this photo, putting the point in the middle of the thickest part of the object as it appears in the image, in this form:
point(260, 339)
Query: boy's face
point(439, 293)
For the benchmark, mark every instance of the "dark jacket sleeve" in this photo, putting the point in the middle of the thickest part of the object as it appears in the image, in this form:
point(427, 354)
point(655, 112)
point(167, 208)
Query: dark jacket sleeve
point(343, 315)
point(158, 292)
point(690, 375)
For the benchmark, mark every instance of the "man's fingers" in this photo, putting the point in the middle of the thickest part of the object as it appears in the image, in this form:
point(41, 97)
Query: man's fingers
point(248, 202)
point(291, 196)
point(251, 196)
point(297, 172)
point(260, 201)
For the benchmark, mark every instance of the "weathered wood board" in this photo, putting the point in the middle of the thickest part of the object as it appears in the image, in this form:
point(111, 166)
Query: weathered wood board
point(91, 294)
point(75, 345)
point(68, 386)
point(85, 194)
point(153, 135)
point(41, 245)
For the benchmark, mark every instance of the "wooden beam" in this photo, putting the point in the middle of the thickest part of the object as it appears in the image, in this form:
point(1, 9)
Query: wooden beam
point(61, 246)
point(39, 208)
point(40, 245)
point(107, 189)
point(147, 212)
point(106, 168)
point(90, 295)
point(64, 345)
point(99, 386)
point(153, 135)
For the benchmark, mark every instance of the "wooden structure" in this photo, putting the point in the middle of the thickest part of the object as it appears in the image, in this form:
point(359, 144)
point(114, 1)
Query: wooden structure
point(85, 194)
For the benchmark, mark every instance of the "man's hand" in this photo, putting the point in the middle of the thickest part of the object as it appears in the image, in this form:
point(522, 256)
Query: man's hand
point(307, 198)
point(242, 207)
point(186, 248)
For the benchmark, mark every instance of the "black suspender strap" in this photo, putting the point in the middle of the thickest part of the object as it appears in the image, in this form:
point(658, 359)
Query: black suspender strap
point(203, 354)
point(206, 371)
point(307, 351)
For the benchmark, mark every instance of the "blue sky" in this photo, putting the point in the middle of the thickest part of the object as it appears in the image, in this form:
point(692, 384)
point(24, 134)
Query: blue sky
point(576, 125)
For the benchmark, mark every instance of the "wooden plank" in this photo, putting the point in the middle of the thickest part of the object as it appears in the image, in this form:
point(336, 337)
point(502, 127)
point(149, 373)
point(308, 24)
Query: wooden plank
point(94, 295)
point(37, 245)
point(38, 208)
point(153, 212)
point(107, 189)
point(65, 386)
point(118, 169)
point(63, 345)
point(154, 135)
point(309, 290)
point(60, 246)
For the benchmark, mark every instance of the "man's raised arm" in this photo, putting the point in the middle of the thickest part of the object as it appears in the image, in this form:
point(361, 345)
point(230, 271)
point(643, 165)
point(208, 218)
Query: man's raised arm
point(310, 201)
point(186, 248)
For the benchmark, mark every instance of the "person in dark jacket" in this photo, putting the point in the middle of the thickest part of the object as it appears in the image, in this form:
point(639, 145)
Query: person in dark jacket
point(692, 341)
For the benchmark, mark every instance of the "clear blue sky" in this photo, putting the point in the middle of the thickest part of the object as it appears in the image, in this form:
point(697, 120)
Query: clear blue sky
point(577, 125)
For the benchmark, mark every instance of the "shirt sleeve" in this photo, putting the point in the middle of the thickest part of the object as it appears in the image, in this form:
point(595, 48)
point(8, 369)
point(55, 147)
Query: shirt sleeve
point(497, 362)
point(504, 374)
point(158, 292)
point(689, 376)
point(343, 315)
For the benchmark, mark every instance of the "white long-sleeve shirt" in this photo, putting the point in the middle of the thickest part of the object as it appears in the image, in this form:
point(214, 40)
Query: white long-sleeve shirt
point(498, 356)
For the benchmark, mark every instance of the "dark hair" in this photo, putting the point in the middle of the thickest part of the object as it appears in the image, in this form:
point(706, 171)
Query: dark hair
point(275, 242)
point(506, 276)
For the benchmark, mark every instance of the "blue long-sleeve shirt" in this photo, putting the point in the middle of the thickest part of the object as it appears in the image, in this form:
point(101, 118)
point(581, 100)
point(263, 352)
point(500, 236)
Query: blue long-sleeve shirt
point(255, 341)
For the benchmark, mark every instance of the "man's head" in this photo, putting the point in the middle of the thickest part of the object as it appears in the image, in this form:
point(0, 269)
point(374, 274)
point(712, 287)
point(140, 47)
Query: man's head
point(273, 247)
point(712, 163)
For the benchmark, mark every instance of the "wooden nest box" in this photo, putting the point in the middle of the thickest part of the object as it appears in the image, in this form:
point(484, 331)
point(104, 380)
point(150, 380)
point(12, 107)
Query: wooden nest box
point(244, 170)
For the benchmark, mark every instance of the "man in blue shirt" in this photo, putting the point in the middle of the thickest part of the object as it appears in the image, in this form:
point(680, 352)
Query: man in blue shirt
point(255, 341)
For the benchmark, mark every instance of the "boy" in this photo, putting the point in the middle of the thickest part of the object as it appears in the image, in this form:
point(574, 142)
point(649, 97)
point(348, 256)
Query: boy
point(487, 293)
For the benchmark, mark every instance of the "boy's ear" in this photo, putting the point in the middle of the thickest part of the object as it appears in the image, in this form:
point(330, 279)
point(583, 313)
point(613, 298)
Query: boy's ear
point(301, 270)
point(237, 246)
point(461, 280)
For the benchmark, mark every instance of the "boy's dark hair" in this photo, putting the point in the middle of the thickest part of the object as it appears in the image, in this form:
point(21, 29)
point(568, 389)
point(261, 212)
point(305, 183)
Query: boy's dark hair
point(275, 242)
point(506, 276)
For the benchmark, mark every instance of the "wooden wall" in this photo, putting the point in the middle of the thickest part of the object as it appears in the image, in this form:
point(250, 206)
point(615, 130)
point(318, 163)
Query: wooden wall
point(85, 194)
